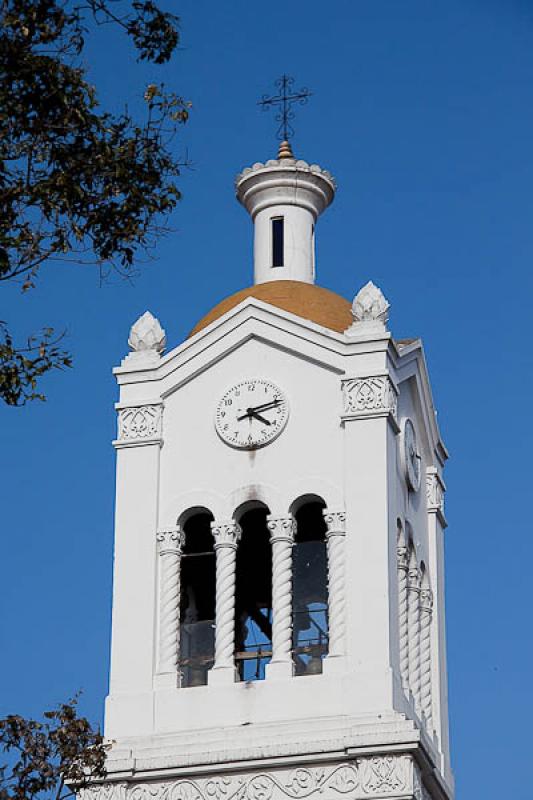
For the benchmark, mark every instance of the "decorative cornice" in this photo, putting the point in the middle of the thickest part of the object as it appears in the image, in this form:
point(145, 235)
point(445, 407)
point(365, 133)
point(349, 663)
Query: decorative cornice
point(170, 541)
point(335, 521)
point(383, 776)
point(282, 529)
point(226, 534)
point(139, 425)
point(373, 396)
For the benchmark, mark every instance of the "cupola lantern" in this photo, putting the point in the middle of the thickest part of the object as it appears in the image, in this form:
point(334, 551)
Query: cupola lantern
point(285, 197)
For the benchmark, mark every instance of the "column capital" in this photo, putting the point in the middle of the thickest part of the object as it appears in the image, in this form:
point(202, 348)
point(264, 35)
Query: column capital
point(370, 396)
point(335, 521)
point(226, 534)
point(170, 540)
point(282, 529)
point(413, 575)
point(426, 599)
point(403, 557)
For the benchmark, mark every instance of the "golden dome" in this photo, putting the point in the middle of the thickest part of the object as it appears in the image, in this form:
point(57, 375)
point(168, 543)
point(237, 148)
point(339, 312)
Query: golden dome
point(303, 299)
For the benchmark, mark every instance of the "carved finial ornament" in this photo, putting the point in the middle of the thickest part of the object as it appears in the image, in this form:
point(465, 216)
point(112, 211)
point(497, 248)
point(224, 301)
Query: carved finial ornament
point(370, 310)
point(147, 334)
point(285, 150)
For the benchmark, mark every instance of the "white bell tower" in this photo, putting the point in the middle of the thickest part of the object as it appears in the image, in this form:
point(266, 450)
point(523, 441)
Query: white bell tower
point(278, 608)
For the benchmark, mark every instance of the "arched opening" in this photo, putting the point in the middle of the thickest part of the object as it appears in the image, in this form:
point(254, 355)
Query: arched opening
point(253, 594)
point(309, 588)
point(197, 602)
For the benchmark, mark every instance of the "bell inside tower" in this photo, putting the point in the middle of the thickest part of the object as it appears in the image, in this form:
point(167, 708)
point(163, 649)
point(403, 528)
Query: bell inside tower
point(197, 605)
point(309, 590)
point(253, 597)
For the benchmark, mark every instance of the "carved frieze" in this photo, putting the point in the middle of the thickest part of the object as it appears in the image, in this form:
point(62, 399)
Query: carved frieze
point(369, 397)
point(387, 776)
point(139, 424)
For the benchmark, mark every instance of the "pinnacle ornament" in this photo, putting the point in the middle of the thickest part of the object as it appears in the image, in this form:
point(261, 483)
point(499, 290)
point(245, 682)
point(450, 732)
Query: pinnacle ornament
point(147, 334)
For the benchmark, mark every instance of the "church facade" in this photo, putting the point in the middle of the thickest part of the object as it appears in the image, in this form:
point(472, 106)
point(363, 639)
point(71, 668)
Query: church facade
point(278, 625)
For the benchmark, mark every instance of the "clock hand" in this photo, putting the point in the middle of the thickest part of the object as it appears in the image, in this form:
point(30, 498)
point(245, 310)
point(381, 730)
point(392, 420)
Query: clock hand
point(265, 406)
point(259, 417)
point(251, 412)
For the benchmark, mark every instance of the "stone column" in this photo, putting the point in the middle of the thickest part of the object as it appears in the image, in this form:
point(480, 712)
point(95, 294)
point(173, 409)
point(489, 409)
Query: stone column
point(282, 530)
point(369, 420)
point(226, 536)
point(426, 613)
point(134, 641)
point(335, 540)
point(170, 543)
point(413, 613)
point(403, 627)
point(435, 489)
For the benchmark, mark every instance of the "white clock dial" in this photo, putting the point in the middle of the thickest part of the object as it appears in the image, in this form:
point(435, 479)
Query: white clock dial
point(411, 456)
point(251, 414)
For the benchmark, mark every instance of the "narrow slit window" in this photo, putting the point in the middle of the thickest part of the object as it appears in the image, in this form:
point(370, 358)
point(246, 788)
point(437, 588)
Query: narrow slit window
point(277, 242)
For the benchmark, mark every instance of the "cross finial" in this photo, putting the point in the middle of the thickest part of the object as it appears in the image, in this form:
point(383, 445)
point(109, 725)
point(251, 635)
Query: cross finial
point(284, 101)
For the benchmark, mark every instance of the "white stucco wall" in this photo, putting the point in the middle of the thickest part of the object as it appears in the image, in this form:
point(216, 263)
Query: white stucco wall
point(349, 458)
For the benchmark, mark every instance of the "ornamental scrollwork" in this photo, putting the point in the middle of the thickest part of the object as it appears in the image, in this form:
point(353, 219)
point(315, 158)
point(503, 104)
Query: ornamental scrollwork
point(335, 522)
point(139, 423)
point(170, 540)
point(364, 397)
point(281, 528)
point(383, 774)
point(226, 534)
point(365, 777)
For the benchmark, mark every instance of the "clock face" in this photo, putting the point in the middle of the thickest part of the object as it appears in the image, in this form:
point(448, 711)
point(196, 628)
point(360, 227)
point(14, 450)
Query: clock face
point(411, 456)
point(251, 414)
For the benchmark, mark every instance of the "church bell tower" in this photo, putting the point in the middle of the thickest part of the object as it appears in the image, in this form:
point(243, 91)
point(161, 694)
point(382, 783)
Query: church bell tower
point(278, 622)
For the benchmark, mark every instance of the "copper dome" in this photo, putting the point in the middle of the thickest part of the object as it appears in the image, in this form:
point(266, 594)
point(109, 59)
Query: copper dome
point(303, 299)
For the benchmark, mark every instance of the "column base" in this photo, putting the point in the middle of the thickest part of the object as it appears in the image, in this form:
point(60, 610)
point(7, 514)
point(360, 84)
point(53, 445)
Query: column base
point(279, 670)
point(222, 676)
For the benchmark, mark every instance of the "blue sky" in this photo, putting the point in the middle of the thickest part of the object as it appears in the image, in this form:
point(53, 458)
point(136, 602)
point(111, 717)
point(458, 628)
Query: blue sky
point(424, 113)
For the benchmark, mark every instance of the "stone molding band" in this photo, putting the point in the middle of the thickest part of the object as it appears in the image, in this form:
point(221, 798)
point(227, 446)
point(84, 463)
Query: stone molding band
point(376, 776)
